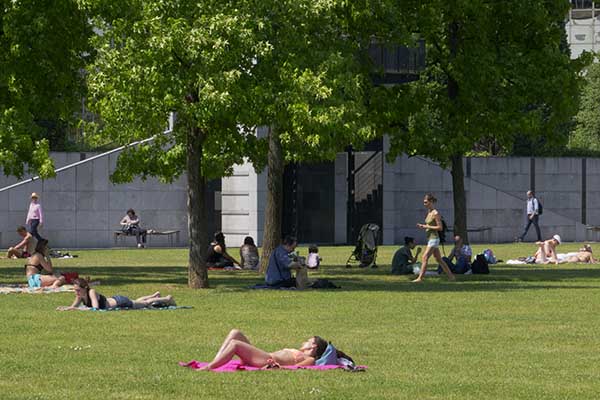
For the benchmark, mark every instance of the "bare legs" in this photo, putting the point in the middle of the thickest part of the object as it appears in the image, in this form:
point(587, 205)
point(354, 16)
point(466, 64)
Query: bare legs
point(429, 251)
point(52, 281)
point(146, 301)
point(236, 344)
point(13, 253)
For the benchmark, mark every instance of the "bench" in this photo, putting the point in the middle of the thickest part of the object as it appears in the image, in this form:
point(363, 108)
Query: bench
point(486, 232)
point(171, 234)
point(591, 231)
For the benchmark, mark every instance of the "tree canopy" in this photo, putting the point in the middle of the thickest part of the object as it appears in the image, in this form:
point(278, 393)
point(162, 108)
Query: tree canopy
point(43, 48)
point(494, 69)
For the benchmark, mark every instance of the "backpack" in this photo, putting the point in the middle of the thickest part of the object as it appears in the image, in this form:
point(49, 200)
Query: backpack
point(442, 233)
point(480, 265)
point(489, 256)
point(540, 207)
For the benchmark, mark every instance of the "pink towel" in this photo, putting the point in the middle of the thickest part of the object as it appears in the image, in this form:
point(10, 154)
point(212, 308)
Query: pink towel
point(236, 365)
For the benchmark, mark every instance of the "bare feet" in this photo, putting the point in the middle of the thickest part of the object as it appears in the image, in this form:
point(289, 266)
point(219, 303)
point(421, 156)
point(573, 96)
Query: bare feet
point(418, 280)
point(205, 368)
point(156, 294)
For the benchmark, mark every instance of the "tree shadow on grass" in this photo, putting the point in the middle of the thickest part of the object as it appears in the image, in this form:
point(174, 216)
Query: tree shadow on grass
point(350, 280)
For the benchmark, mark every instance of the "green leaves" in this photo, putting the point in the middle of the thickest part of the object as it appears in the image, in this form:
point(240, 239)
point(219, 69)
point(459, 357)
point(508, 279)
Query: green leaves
point(43, 46)
point(494, 70)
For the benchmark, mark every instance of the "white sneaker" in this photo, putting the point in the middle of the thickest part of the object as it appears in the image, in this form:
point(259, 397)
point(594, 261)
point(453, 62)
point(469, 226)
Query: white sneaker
point(139, 245)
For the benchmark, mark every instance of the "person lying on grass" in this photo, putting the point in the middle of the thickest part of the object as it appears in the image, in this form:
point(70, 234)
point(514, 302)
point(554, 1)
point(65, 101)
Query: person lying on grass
point(94, 300)
point(39, 262)
point(236, 344)
point(584, 255)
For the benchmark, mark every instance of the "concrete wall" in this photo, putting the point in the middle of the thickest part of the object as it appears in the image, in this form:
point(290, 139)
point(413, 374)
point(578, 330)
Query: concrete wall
point(496, 192)
point(82, 207)
point(243, 199)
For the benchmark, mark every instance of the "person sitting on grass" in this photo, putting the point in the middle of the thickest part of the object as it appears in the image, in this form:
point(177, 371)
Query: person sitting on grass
point(249, 254)
point(38, 263)
point(94, 300)
point(403, 261)
point(237, 344)
point(462, 253)
point(584, 255)
point(281, 264)
point(546, 252)
point(25, 248)
point(217, 256)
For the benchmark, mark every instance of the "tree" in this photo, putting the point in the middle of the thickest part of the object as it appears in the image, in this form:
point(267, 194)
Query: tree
point(494, 69)
point(310, 91)
point(586, 135)
point(43, 46)
point(192, 59)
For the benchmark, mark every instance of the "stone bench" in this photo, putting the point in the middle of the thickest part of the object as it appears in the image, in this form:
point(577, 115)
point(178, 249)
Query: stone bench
point(171, 234)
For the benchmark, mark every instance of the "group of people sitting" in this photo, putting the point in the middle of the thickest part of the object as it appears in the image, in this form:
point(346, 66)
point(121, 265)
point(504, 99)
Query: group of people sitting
point(218, 257)
point(458, 261)
point(460, 257)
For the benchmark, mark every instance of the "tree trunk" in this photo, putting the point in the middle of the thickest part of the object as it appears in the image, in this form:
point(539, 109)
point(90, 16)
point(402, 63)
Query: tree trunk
point(458, 176)
point(460, 199)
point(274, 208)
point(197, 221)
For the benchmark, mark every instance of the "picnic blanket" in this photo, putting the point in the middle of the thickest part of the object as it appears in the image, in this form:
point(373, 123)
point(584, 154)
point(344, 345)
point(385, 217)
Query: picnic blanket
point(236, 365)
point(561, 257)
point(19, 288)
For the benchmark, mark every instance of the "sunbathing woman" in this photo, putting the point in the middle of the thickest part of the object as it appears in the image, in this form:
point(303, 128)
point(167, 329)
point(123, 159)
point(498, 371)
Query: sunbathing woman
point(92, 299)
point(236, 344)
point(38, 262)
point(584, 255)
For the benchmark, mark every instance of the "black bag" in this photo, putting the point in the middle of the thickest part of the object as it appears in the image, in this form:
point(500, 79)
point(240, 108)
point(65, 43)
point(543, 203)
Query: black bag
point(442, 233)
point(540, 207)
point(480, 265)
point(323, 284)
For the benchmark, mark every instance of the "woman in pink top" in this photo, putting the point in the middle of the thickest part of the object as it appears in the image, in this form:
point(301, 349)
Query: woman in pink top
point(35, 217)
point(237, 344)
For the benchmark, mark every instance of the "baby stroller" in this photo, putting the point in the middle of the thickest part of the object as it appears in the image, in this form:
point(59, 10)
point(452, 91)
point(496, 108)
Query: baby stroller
point(365, 252)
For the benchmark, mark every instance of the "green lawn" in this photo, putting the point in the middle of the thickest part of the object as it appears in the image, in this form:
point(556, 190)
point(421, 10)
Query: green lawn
point(522, 332)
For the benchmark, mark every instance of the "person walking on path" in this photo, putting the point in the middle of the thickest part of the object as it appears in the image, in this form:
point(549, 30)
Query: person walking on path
point(533, 216)
point(35, 217)
point(432, 226)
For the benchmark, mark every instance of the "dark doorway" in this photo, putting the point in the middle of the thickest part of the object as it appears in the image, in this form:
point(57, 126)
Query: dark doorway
point(365, 188)
point(309, 202)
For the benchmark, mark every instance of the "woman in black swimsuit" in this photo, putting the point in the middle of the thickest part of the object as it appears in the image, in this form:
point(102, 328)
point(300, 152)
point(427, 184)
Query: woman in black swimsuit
point(39, 262)
point(217, 256)
point(92, 299)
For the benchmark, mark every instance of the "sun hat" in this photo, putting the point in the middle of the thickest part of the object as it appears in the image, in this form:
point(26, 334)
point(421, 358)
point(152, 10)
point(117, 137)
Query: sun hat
point(34, 195)
point(557, 238)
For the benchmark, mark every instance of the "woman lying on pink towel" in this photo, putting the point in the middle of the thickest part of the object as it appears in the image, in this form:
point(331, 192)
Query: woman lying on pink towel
point(236, 344)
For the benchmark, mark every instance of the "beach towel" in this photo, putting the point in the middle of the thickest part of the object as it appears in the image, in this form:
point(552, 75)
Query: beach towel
point(236, 365)
point(19, 288)
point(137, 309)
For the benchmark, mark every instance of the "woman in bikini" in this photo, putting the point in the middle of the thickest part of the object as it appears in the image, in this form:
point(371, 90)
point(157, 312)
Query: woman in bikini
point(237, 344)
point(39, 262)
point(92, 299)
point(432, 225)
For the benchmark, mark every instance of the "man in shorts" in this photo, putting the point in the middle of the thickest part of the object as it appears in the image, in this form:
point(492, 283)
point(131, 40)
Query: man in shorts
point(25, 248)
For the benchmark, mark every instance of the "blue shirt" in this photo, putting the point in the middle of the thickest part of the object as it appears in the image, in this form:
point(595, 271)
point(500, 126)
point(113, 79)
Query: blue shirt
point(279, 266)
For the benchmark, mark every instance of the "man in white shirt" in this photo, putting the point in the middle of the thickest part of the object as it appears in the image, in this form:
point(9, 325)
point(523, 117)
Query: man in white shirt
point(533, 209)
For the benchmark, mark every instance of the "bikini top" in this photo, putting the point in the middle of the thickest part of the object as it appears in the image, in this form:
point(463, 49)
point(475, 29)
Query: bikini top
point(297, 354)
point(101, 301)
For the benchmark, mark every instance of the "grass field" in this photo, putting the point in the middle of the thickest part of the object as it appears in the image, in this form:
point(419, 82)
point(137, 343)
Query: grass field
point(522, 332)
